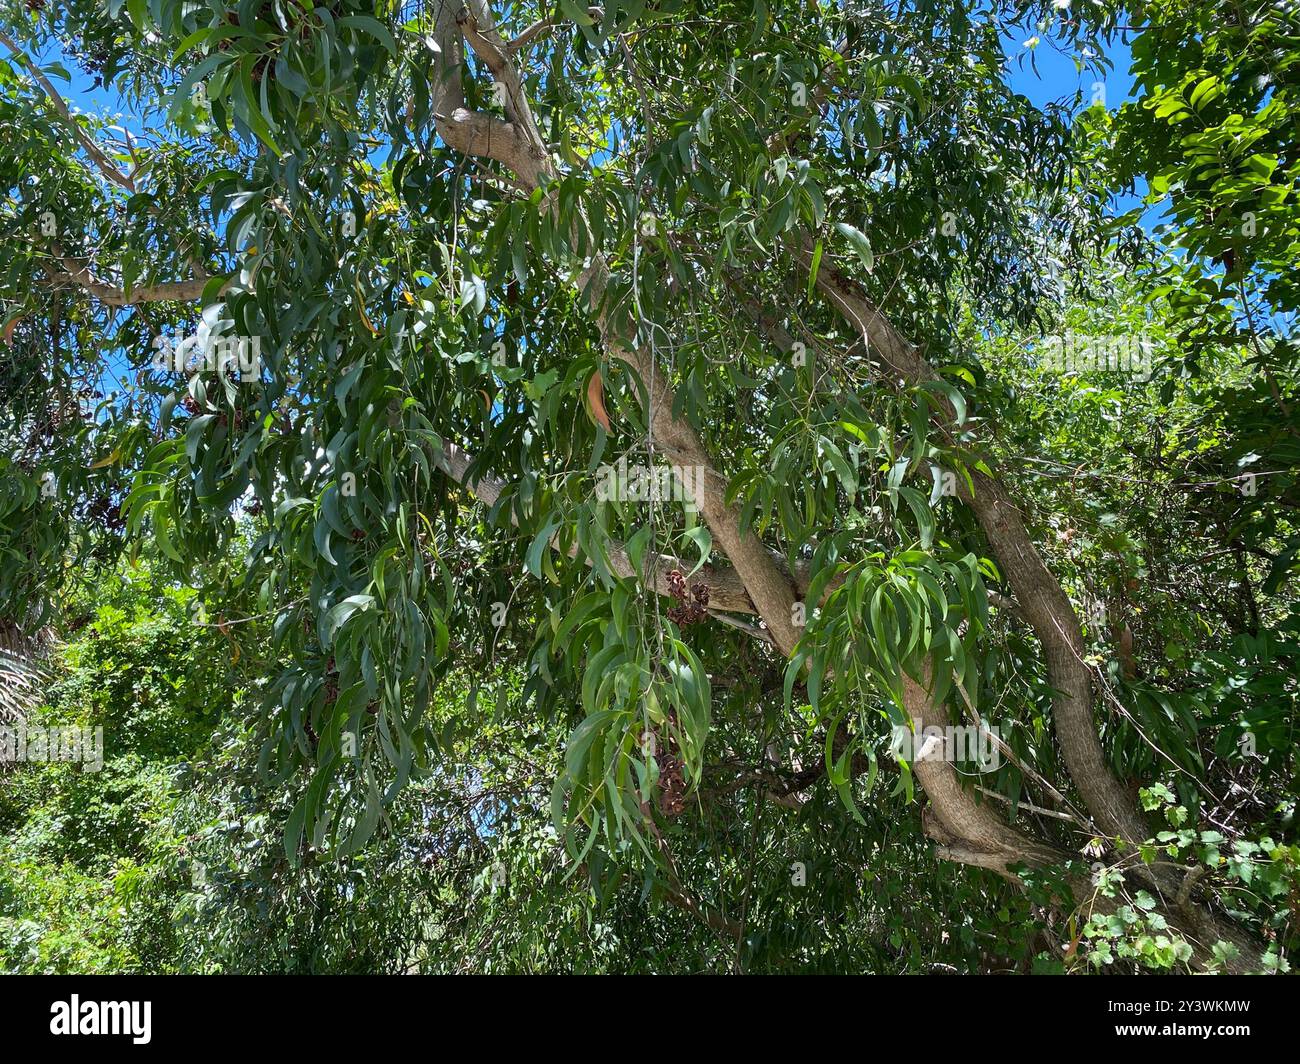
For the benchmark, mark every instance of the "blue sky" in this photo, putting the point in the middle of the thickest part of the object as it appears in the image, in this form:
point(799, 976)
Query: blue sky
point(1055, 78)
point(1051, 76)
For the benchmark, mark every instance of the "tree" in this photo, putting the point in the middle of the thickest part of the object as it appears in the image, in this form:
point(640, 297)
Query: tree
point(372, 263)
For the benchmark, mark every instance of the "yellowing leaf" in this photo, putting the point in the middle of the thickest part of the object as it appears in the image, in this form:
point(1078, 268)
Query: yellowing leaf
point(116, 454)
point(361, 309)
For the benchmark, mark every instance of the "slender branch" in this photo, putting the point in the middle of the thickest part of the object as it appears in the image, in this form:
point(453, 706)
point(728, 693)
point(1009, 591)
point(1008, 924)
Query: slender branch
point(106, 293)
point(1042, 811)
point(543, 26)
point(77, 274)
point(101, 160)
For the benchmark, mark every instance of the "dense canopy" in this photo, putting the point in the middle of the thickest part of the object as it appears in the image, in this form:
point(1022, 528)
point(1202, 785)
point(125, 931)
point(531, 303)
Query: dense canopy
point(663, 486)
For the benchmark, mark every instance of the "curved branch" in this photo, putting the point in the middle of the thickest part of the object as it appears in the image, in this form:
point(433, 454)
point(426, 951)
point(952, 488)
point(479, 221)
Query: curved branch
point(1042, 602)
point(544, 26)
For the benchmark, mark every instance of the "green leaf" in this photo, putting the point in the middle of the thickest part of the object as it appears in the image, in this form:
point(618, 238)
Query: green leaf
point(860, 244)
point(814, 267)
point(700, 536)
point(369, 25)
point(540, 545)
point(341, 613)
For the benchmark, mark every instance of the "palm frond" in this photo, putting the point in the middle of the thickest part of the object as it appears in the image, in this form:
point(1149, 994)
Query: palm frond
point(23, 670)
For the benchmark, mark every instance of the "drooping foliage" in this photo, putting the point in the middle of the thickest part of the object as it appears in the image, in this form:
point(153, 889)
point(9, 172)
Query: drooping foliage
point(374, 320)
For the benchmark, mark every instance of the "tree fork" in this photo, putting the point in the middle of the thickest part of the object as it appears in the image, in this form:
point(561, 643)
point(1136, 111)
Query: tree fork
point(976, 828)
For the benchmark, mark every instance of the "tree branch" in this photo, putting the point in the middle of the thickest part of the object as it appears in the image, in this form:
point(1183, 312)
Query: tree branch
point(76, 274)
point(100, 159)
point(544, 26)
point(770, 587)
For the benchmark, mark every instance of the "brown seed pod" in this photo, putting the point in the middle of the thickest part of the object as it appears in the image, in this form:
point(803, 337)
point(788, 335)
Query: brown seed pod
point(677, 584)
